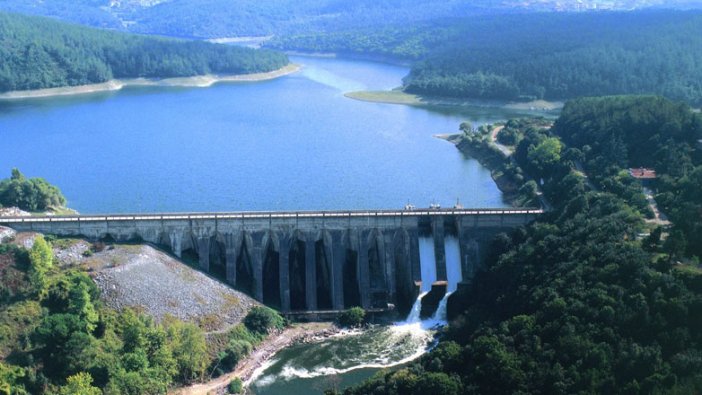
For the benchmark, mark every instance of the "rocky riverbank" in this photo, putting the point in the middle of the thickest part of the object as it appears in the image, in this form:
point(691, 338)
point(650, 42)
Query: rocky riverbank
point(248, 369)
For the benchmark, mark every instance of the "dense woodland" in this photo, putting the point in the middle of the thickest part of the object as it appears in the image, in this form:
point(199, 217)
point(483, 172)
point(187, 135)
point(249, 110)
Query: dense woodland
point(223, 18)
point(40, 53)
point(537, 56)
point(578, 302)
point(56, 336)
point(29, 194)
point(220, 18)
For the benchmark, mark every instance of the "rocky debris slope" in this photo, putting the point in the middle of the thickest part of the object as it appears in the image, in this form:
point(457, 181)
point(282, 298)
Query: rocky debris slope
point(13, 212)
point(150, 280)
point(6, 234)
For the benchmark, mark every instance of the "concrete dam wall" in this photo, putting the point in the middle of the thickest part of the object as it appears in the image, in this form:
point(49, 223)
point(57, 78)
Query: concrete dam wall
point(306, 261)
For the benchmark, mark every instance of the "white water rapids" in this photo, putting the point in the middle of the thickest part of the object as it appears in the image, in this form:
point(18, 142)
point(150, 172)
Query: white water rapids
point(351, 356)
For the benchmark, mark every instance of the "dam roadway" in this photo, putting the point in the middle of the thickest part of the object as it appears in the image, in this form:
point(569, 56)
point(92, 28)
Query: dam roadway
point(307, 260)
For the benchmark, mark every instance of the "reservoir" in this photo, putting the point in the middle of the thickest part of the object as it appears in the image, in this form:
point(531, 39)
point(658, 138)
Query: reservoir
point(294, 143)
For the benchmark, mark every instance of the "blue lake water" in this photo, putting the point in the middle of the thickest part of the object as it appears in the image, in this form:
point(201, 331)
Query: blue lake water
point(294, 143)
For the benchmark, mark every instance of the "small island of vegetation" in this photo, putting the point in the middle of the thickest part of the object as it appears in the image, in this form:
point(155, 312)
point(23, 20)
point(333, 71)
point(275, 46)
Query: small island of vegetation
point(30, 194)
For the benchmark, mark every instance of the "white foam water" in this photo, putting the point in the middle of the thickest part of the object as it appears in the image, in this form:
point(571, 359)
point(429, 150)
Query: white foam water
point(427, 262)
point(441, 314)
point(454, 273)
point(413, 316)
point(376, 348)
point(384, 355)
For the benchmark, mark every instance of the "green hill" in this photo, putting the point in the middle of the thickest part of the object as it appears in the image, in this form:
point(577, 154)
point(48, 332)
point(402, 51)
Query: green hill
point(551, 56)
point(38, 53)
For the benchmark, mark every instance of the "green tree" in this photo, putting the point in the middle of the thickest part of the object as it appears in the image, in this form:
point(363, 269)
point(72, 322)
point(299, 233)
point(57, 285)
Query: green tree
point(236, 386)
point(41, 258)
point(545, 154)
point(261, 319)
point(437, 384)
point(17, 175)
point(80, 304)
point(10, 380)
point(352, 317)
point(189, 350)
point(79, 384)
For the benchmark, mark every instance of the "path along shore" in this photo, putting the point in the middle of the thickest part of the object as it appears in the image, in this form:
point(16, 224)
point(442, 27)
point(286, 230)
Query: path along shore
point(201, 81)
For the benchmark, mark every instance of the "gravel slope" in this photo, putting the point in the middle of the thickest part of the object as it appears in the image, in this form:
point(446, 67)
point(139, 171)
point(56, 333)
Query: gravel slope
point(158, 284)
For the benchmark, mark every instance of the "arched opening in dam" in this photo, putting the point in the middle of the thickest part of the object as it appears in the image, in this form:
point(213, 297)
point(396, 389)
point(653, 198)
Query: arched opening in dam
point(298, 276)
point(323, 275)
point(218, 259)
point(244, 269)
point(271, 276)
point(406, 292)
point(376, 272)
point(352, 292)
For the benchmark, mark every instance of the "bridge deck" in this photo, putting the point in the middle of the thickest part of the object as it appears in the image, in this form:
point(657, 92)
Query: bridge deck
point(268, 215)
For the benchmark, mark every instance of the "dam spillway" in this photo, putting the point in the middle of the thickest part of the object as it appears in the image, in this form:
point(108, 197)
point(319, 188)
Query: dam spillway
point(306, 261)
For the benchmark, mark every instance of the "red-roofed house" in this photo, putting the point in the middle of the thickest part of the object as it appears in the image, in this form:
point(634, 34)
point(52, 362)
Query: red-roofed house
point(643, 174)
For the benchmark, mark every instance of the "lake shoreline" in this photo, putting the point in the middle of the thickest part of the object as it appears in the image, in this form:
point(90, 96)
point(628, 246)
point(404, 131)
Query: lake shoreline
point(399, 96)
point(201, 81)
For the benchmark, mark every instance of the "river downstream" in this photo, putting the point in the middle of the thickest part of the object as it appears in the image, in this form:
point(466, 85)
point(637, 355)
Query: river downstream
point(294, 143)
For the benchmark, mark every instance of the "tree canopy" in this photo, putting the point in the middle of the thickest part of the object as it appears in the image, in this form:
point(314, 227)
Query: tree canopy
point(34, 194)
point(552, 56)
point(40, 53)
point(577, 302)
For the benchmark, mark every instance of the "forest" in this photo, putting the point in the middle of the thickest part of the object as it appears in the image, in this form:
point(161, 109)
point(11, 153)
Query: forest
point(578, 302)
point(536, 56)
point(222, 18)
point(38, 53)
point(57, 337)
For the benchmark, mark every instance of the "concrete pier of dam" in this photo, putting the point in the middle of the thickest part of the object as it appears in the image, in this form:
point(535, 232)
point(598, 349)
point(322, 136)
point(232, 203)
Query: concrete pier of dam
point(304, 261)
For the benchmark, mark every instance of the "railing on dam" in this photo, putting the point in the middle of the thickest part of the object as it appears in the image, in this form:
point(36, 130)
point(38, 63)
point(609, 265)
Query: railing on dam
point(269, 215)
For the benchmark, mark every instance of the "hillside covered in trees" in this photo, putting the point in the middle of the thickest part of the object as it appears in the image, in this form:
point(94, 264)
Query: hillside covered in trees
point(58, 337)
point(537, 56)
point(224, 18)
point(40, 53)
point(578, 302)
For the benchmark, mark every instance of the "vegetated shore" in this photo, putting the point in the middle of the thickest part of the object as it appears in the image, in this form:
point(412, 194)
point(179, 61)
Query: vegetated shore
point(248, 367)
point(398, 96)
point(200, 81)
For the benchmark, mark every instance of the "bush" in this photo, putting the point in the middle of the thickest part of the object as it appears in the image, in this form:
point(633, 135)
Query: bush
point(352, 317)
point(236, 386)
point(235, 352)
point(262, 319)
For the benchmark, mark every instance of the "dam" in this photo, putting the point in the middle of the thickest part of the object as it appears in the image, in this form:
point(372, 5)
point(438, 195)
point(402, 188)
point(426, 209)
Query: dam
point(309, 261)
